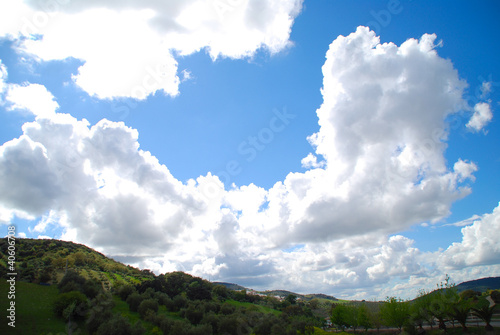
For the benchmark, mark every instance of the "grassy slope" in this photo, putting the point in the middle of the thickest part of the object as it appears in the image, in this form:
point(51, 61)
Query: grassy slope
point(258, 308)
point(33, 309)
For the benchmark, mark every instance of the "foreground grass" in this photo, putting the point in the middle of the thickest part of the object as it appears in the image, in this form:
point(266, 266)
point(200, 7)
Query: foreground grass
point(33, 309)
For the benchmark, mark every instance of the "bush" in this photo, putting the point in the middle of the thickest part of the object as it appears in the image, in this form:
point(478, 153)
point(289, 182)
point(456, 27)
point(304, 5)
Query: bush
point(147, 305)
point(133, 301)
point(180, 327)
point(227, 308)
point(117, 325)
point(194, 314)
point(124, 291)
point(65, 300)
point(92, 288)
point(71, 277)
point(179, 302)
point(137, 329)
point(201, 330)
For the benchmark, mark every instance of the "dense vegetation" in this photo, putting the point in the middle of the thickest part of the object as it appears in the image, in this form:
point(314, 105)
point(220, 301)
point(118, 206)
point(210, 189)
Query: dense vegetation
point(87, 293)
point(440, 309)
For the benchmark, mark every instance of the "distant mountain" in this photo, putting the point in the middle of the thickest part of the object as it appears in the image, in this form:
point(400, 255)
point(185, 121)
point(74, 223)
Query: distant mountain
point(481, 285)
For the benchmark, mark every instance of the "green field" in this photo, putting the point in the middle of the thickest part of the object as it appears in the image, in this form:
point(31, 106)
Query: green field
point(33, 309)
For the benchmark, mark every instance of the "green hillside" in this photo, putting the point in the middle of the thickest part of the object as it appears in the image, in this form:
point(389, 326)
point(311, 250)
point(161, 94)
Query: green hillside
point(63, 287)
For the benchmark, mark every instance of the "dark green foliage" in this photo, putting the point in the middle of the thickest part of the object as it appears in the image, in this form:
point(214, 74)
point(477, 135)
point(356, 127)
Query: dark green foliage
point(137, 329)
point(100, 311)
point(91, 288)
point(199, 290)
point(176, 283)
point(201, 330)
point(117, 325)
point(291, 298)
point(124, 291)
point(71, 278)
point(220, 292)
point(147, 305)
point(194, 313)
point(211, 319)
point(485, 313)
point(233, 324)
point(134, 300)
point(495, 296)
point(73, 300)
point(179, 302)
point(179, 327)
point(227, 308)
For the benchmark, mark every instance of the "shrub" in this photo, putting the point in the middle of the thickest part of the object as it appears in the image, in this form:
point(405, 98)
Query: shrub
point(71, 277)
point(194, 314)
point(133, 301)
point(124, 291)
point(147, 305)
point(117, 325)
point(65, 300)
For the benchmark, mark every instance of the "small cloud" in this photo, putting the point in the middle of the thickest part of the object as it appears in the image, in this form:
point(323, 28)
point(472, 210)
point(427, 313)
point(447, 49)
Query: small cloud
point(34, 98)
point(485, 88)
point(464, 170)
point(481, 117)
point(466, 222)
point(311, 161)
point(186, 75)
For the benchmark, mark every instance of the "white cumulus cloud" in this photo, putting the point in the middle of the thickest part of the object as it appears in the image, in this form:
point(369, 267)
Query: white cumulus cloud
point(128, 47)
point(479, 245)
point(481, 117)
point(34, 98)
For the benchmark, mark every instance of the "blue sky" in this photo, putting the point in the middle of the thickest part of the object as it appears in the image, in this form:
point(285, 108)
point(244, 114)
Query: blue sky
point(198, 151)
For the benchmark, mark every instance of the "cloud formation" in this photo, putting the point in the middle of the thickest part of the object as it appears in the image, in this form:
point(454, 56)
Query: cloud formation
point(34, 98)
point(377, 168)
point(129, 50)
point(481, 117)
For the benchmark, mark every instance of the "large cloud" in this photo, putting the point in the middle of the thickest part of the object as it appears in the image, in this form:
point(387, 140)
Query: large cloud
point(382, 136)
point(377, 169)
point(128, 47)
point(479, 245)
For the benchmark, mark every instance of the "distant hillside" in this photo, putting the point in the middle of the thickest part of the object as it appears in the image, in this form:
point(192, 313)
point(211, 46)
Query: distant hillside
point(304, 297)
point(231, 286)
point(480, 285)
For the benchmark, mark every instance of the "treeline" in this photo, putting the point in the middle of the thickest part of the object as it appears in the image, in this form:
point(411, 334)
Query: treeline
point(180, 304)
point(439, 308)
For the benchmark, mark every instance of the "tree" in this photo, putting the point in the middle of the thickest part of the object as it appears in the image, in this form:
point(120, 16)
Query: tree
point(363, 318)
point(341, 316)
point(64, 300)
point(134, 300)
point(460, 311)
point(194, 314)
point(117, 325)
point(485, 313)
point(147, 305)
point(420, 310)
point(395, 312)
point(221, 292)
point(291, 298)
